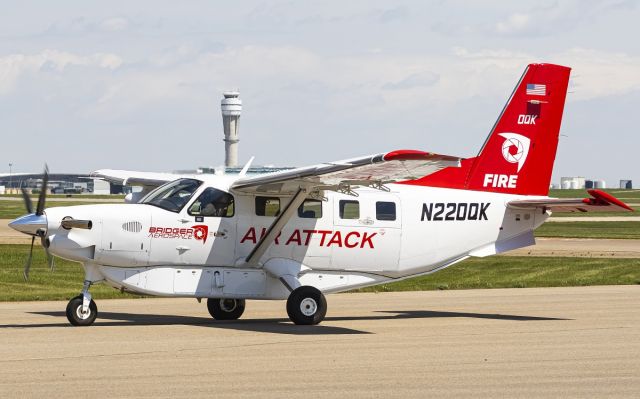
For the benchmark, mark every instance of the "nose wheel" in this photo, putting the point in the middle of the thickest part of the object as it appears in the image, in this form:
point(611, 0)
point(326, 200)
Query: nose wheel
point(306, 305)
point(82, 310)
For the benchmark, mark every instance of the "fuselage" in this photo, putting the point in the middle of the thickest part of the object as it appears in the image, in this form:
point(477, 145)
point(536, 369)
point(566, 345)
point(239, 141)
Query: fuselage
point(407, 230)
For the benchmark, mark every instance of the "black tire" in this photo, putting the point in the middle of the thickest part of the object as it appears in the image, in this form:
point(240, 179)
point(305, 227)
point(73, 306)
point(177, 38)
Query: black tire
point(74, 312)
point(225, 309)
point(306, 305)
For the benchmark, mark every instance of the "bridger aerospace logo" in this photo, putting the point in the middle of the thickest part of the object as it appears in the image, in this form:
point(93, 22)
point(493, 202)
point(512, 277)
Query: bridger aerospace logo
point(199, 232)
point(515, 149)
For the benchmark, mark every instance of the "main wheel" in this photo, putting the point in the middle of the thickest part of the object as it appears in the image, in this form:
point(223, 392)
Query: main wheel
point(306, 305)
point(75, 315)
point(225, 309)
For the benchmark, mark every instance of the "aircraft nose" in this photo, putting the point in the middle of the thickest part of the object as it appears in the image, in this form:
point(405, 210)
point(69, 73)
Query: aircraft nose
point(31, 224)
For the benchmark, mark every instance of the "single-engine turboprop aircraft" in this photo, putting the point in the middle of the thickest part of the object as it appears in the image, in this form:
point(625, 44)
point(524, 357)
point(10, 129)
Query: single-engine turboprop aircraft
point(299, 234)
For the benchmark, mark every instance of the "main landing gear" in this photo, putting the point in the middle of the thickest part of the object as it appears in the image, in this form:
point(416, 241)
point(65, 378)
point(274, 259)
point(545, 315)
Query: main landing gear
point(306, 305)
point(225, 309)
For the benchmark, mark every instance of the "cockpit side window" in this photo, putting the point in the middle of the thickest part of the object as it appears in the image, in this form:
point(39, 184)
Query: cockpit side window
point(172, 196)
point(213, 202)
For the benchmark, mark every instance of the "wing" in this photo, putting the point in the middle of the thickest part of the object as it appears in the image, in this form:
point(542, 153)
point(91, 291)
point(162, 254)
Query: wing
point(134, 178)
point(599, 201)
point(371, 170)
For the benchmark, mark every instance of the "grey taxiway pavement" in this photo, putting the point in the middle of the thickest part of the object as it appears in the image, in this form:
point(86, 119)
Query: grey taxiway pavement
point(548, 342)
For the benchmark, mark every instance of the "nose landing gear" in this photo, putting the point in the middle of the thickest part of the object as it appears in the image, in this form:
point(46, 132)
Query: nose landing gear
point(82, 310)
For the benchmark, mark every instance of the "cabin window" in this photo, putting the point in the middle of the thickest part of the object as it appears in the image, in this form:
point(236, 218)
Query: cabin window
point(349, 209)
point(172, 196)
point(385, 210)
point(213, 202)
point(267, 206)
point(310, 209)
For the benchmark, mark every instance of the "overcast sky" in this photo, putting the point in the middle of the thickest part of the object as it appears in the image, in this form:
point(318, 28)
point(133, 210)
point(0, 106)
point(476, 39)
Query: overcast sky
point(137, 85)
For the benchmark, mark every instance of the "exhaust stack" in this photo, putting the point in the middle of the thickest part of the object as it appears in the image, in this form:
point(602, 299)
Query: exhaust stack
point(71, 223)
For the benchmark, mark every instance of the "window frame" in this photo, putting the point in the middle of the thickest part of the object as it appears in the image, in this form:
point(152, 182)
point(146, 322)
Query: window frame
point(300, 212)
point(341, 206)
point(232, 204)
point(151, 197)
point(395, 211)
point(257, 197)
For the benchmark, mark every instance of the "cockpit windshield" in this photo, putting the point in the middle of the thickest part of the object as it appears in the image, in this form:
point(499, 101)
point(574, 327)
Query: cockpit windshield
point(172, 196)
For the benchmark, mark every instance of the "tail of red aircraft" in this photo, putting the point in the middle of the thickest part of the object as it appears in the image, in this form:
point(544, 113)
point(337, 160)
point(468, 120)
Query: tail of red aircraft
point(518, 155)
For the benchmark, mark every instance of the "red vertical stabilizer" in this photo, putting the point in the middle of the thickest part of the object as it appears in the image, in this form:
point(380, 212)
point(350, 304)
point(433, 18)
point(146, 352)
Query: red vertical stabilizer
point(518, 155)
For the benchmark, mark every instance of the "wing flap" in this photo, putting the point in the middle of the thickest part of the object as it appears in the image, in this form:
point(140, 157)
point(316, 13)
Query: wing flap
point(599, 201)
point(368, 170)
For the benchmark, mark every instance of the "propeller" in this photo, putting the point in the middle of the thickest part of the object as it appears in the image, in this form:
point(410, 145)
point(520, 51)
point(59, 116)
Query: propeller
point(39, 212)
point(27, 200)
point(27, 265)
point(43, 191)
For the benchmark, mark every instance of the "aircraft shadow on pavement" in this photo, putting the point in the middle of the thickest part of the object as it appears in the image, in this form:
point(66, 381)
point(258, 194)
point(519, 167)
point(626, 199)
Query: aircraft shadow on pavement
point(275, 325)
point(425, 314)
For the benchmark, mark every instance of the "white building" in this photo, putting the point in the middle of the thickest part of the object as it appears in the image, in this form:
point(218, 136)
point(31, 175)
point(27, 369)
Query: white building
point(574, 183)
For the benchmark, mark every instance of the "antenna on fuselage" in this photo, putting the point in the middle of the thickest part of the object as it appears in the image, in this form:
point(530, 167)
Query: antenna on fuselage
point(245, 168)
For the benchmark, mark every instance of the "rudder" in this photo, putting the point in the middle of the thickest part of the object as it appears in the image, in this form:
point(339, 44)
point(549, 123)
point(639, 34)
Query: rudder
point(519, 153)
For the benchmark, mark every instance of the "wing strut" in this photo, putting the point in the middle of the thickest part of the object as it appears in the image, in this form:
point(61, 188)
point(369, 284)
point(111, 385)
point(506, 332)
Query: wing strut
point(276, 227)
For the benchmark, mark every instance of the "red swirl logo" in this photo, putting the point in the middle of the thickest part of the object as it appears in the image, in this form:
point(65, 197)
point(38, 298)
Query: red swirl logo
point(201, 232)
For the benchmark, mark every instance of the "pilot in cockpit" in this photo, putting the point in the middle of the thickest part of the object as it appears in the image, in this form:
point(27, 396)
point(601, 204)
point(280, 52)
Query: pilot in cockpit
point(214, 203)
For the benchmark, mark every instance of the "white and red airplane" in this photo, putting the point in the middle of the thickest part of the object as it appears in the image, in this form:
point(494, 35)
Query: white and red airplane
point(301, 233)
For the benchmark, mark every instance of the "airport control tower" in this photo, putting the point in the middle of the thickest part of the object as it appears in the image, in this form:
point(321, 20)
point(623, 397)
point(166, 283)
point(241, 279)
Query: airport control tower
point(231, 108)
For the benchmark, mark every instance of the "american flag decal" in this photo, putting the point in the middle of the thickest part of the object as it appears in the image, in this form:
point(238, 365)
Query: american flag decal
point(536, 89)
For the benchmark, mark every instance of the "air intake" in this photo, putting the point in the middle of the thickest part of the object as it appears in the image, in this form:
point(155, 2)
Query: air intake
point(132, 227)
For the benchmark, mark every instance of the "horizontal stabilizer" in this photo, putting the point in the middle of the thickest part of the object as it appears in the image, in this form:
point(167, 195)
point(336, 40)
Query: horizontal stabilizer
point(598, 202)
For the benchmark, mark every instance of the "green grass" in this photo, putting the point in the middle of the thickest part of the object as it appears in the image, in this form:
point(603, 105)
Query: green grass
point(70, 196)
point(522, 272)
point(64, 283)
point(14, 209)
point(490, 272)
point(628, 230)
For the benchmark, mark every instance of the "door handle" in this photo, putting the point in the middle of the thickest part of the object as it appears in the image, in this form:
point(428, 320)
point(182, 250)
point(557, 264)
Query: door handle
point(366, 221)
point(220, 234)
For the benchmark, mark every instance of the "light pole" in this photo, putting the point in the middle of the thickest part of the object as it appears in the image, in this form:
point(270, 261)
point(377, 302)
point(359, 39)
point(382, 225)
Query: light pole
point(10, 166)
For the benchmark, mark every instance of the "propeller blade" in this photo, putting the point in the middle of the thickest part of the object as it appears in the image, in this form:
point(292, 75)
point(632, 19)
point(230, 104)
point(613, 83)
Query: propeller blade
point(27, 265)
point(27, 200)
point(43, 191)
point(50, 259)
